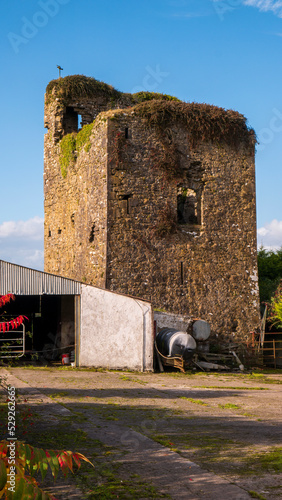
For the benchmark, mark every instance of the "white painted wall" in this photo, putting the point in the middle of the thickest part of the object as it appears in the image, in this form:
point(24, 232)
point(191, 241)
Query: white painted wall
point(116, 331)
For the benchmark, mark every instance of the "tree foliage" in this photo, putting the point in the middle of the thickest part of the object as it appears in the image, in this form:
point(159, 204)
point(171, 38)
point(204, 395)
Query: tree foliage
point(269, 271)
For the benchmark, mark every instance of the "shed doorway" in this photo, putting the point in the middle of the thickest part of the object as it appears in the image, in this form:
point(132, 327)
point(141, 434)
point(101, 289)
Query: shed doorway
point(51, 327)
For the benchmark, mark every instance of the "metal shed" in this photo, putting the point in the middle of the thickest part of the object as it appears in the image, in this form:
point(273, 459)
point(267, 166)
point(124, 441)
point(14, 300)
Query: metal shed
point(105, 329)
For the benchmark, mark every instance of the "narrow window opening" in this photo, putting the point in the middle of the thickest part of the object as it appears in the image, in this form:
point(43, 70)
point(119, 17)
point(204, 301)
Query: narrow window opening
point(59, 231)
point(188, 207)
point(70, 120)
point(79, 122)
point(92, 234)
point(127, 198)
point(181, 273)
point(126, 133)
point(49, 233)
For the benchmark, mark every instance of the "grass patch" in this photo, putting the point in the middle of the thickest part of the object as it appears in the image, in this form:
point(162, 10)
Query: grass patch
point(230, 406)
point(131, 379)
point(233, 388)
point(254, 494)
point(165, 441)
point(125, 489)
point(271, 461)
point(56, 395)
point(103, 482)
point(200, 445)
point(195, 401)
point(219, 455)
point(263, 378)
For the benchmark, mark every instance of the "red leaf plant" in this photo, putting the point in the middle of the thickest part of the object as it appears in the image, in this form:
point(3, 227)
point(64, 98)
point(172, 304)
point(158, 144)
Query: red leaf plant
point(17, 473)
point(14, 323)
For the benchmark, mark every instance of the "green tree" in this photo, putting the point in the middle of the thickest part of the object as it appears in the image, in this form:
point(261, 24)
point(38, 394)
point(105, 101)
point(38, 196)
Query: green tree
point(269, 271)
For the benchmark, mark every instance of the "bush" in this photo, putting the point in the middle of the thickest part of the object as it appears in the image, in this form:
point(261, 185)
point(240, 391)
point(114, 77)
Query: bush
point(275, 310)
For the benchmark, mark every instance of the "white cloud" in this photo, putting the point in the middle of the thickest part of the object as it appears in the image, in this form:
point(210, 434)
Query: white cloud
point(274, 6)
point(32, 228)
point(21, 242)
point(224, 6)
point(270, 235)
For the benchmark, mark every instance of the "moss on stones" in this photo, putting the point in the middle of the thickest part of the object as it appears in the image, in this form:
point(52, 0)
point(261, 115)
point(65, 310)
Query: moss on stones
point(67, 149)
point(71, 145)
point(83, 137)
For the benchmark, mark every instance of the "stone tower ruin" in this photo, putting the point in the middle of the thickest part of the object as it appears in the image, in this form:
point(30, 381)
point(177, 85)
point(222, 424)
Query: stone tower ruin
point(152, 197)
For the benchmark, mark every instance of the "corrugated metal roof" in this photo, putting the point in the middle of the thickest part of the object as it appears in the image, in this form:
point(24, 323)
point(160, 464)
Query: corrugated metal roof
point(24, 281)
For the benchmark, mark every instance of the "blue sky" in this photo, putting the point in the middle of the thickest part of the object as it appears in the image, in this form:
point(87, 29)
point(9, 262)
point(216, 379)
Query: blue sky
point(226, 53)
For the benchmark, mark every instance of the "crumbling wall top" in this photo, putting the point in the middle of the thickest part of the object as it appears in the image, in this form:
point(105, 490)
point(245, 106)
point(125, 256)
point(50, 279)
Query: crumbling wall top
point(74, 87)
point(204, 122)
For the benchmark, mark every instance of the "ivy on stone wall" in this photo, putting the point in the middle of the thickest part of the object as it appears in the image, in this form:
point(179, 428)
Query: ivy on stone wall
point(71, 145)
point(67, 152)
point(83, 137)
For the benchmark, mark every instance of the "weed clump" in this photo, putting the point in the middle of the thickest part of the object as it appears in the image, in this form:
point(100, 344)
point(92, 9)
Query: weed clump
point(204, 122)
point(139, 97)
point(77, 86)
point(74, 86)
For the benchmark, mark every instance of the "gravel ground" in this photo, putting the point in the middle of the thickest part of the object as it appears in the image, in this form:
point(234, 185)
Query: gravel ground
point(187, 436)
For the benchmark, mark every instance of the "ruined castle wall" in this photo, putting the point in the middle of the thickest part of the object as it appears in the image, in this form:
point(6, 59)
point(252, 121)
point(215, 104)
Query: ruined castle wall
point(149, 213)
point(206, 268)
point(67, 116)
point(76, 210)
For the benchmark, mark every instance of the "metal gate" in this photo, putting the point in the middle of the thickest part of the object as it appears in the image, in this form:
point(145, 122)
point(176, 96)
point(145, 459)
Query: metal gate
point(14, 346)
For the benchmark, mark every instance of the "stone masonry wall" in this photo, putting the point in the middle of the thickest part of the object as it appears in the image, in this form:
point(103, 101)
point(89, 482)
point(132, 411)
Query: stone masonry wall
point(207, 269)
point(76, 211)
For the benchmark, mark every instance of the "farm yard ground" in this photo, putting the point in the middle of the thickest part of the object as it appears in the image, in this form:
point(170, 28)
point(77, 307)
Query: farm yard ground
point(190, 436)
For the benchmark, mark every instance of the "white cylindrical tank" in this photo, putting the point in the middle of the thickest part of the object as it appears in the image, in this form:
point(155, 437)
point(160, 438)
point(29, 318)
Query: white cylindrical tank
point(171, 342)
